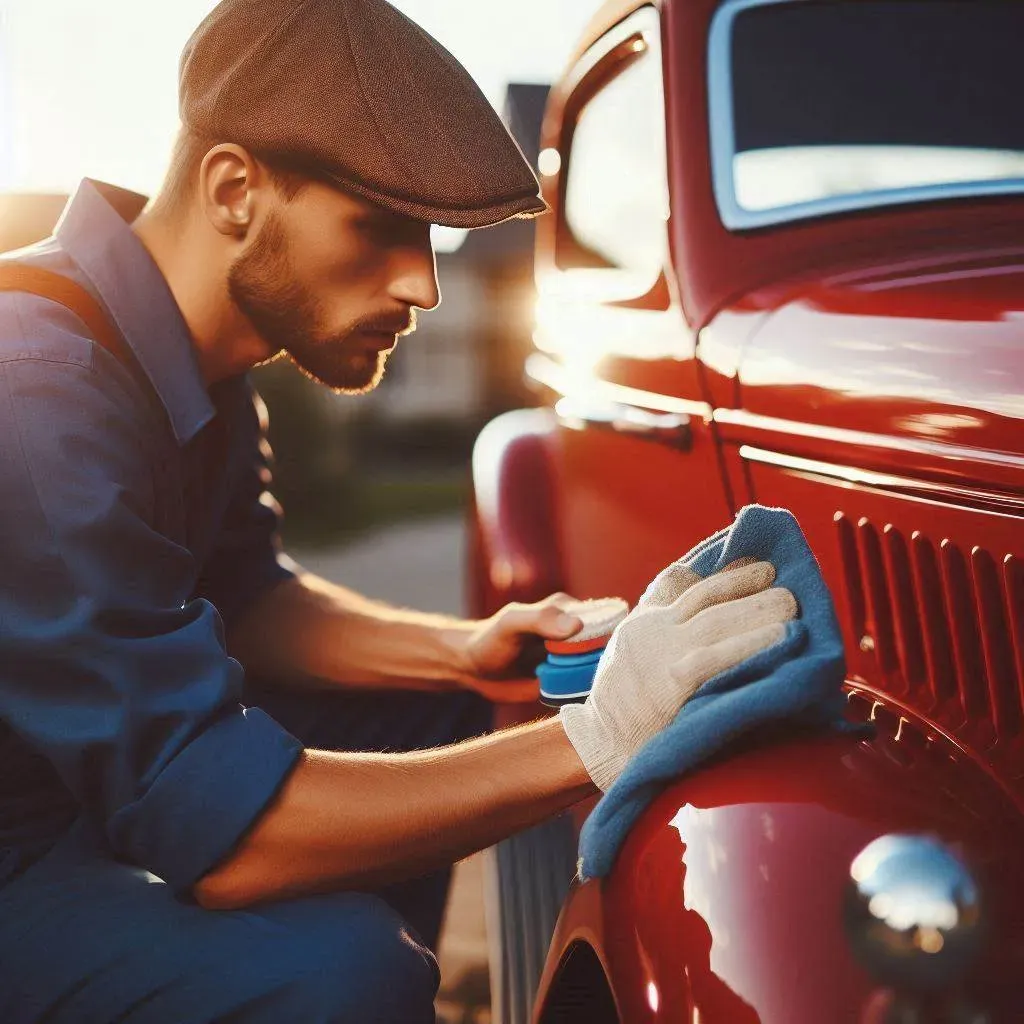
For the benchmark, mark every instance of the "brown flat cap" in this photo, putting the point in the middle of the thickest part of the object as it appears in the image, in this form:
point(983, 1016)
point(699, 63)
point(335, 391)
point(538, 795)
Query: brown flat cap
point(359, 91)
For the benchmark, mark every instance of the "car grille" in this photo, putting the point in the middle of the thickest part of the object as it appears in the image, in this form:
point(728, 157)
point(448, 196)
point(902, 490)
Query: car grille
point(945, 626)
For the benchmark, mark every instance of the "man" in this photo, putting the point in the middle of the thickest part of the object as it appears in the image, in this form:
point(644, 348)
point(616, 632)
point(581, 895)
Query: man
point(187, 829)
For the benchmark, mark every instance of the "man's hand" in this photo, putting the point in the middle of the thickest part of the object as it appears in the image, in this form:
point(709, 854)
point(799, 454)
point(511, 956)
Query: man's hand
point(502, 653)
point(687, 631)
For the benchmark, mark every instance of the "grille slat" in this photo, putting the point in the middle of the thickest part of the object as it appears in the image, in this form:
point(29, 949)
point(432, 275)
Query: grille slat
point(851, 571)
point(995, 643)
point(901, 593)
point(938, 652)
point(879, 609)
point(960, 611)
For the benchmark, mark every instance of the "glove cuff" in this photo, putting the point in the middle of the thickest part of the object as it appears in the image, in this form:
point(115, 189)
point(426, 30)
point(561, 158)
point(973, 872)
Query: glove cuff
point(601, 755)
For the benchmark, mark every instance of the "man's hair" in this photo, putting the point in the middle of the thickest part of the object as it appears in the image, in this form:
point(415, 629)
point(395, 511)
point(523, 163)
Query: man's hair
point(179, 183)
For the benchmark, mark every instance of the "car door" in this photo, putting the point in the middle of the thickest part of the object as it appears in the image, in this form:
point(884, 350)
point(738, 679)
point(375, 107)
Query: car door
point(637, 479)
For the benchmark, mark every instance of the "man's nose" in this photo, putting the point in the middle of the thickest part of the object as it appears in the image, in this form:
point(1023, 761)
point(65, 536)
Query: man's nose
point(415, 280)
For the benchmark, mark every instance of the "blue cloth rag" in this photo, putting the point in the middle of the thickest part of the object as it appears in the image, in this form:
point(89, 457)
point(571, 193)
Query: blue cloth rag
point(797, 679)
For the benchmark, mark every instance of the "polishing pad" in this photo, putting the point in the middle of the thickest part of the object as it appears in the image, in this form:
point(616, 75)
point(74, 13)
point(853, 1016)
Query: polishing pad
point(568, 672)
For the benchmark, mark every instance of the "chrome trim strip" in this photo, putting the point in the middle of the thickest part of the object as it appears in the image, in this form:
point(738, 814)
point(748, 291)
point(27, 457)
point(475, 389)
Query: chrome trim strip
point(957, 274)
point(627, 28)
point(871, 478)
point(560, 380)
point(721, 123)
point(843, 435)
point(585, 57)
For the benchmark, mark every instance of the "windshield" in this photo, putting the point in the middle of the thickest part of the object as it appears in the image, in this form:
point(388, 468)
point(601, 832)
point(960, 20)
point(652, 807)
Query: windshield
point(819, 107)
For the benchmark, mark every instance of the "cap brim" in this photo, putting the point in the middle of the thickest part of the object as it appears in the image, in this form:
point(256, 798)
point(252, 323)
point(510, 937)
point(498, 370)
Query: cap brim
point(525, 206)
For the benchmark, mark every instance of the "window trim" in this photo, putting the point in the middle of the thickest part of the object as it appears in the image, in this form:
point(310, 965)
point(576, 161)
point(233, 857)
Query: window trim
point(721, 131)
point(606, 60)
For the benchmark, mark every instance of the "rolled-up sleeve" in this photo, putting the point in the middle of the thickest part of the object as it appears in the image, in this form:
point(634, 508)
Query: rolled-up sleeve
point(247, 559)
point(107, 666)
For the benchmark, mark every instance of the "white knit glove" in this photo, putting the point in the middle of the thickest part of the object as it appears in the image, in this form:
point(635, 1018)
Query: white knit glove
point(684, 631)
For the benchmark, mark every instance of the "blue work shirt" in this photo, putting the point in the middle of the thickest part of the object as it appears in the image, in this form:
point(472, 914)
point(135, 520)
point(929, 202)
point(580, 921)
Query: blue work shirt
point(133, 524)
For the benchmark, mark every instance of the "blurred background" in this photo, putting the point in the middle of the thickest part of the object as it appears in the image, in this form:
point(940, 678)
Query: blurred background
point(373, 487)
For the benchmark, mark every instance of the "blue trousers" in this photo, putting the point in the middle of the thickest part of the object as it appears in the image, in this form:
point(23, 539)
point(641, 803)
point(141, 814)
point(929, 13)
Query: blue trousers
point(87, 940)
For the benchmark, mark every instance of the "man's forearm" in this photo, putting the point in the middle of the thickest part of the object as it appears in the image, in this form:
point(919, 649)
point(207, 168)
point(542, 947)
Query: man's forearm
point(310, 628)
point(362, 820)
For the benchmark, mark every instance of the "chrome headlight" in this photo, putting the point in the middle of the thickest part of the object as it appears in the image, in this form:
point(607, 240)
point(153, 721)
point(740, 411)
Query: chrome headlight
point(913, 913)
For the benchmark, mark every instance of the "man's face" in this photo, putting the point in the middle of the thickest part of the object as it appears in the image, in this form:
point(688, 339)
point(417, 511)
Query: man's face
point(332, 281)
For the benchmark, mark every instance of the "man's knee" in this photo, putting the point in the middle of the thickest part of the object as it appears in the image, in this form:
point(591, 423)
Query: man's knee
point(342, 957)
point(358, 961)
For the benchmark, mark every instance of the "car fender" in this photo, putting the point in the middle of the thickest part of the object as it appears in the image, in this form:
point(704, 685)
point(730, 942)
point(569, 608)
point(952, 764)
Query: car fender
point(726, 902)
point(513, 552)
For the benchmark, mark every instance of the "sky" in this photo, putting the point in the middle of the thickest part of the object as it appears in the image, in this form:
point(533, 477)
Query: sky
point(88, 87)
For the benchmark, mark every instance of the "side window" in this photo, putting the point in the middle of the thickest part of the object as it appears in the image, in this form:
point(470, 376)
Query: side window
point(615, 201)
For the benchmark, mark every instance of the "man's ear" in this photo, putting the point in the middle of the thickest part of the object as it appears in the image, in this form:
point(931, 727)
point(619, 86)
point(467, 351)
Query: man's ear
point(230, 182)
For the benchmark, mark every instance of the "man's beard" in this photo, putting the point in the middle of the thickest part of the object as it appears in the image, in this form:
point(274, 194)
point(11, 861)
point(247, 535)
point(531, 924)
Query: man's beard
point(288, 318)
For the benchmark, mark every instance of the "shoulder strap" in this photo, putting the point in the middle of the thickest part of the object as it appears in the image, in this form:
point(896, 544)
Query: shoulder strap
point(47, 284)
point(20, 277)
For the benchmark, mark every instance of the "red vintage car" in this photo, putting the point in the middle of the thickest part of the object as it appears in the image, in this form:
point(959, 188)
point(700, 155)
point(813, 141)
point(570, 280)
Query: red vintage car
point(785, 264)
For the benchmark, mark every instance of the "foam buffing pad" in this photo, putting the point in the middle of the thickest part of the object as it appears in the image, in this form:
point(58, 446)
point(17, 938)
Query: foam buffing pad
point(567, 673)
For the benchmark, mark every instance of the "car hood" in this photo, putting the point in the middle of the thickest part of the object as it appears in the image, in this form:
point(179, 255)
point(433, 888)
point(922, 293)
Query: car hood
point(931, 349)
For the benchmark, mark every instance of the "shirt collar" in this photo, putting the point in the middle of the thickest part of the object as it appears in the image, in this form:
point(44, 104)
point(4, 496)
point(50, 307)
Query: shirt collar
point(94, 230)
